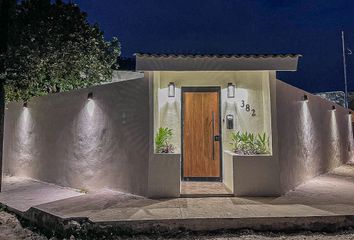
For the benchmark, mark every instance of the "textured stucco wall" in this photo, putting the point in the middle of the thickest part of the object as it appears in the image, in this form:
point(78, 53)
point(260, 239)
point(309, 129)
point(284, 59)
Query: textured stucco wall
point(312, 139)
point(164, 175)
point(69, 140)
point(252, 175)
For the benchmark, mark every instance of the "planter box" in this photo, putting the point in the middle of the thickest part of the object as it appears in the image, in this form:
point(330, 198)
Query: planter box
point(164, 175)
point(251, 175)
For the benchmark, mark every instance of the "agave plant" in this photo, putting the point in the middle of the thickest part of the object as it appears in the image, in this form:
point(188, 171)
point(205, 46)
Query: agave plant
point(236, 141)
point(249, 143)
point(262, 144)
point(162, 138)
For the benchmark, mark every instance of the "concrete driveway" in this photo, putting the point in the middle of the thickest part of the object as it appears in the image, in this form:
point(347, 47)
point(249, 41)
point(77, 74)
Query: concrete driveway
point(325, 200)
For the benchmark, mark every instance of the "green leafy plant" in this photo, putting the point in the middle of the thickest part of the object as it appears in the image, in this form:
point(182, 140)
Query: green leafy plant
point(162, 138)
point(262, 143)
point(249, 143)
point(82, 190)
point(52, 48)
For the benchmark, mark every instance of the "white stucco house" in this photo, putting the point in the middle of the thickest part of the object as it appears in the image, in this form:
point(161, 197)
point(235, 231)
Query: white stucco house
point(104, 136)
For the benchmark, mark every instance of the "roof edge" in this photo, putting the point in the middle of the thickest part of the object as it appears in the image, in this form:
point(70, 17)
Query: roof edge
point(162, 55)
point(198, 62)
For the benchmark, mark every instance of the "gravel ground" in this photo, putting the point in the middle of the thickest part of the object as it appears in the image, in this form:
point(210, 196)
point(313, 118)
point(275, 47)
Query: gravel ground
point(11, 229)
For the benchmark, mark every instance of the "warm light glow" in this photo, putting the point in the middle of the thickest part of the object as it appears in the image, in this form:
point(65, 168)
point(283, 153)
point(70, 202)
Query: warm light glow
point(230, 90)
point(24, 147)
point(335, 153)
point(350, 133)
point(91, 142)
point(90, 108)
point(307, 141)
point(242, 94)
point(171, 89)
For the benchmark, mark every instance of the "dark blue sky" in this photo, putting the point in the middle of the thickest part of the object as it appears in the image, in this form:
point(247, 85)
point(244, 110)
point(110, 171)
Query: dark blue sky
point(309, 27)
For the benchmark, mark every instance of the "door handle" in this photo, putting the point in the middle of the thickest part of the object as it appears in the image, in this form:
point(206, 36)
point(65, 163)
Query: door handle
point(212, 136)
point(217, 138)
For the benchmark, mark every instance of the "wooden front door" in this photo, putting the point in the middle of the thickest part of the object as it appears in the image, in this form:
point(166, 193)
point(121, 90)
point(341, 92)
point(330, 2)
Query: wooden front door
point(201, 139)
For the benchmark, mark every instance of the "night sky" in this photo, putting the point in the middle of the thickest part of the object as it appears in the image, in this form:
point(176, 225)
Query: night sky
point(308, 27)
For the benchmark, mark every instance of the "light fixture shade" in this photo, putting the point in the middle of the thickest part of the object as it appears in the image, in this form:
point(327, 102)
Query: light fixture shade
point(333, 108)
point(171, 89)
point(230, 90)
point(25, 104)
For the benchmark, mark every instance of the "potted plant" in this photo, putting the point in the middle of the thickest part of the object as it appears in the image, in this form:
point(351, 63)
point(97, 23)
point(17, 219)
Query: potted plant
point(162, 140)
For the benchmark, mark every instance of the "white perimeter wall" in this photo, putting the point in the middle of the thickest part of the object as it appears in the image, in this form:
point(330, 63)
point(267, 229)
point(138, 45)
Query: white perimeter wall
point(68, 140)
point(312, 139)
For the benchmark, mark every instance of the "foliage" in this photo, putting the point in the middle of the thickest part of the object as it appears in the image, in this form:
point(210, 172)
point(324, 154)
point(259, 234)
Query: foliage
point(249, 143)
point(335, 97)
point(52, 48)
point(162, 138)
point(84, 191)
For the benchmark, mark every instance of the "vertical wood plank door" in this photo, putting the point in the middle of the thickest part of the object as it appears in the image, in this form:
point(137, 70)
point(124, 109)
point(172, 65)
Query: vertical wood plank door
point(201, 130)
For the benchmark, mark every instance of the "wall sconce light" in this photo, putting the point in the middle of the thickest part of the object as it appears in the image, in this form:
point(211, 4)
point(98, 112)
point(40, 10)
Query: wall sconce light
point(25, 104)
point(230, 90)
point(305, 98)
point(350, 112)
point(171, 89)
point(90, 96)
point(333, 108)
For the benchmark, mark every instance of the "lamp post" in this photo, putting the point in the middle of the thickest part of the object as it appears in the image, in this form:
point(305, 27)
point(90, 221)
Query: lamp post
point(345, 72)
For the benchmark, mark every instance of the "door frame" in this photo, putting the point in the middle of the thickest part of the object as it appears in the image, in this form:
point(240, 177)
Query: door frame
point(201, 89)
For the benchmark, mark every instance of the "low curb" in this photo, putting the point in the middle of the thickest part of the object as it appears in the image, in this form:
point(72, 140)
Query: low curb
point(51, 224)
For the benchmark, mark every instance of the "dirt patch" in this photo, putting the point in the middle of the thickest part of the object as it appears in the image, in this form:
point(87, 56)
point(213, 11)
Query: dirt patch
point(12, 229)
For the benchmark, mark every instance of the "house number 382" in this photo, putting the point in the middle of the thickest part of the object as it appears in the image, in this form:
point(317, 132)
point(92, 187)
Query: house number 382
point(248, 108)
